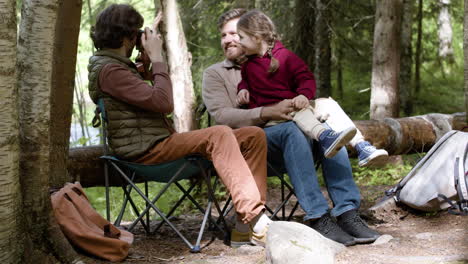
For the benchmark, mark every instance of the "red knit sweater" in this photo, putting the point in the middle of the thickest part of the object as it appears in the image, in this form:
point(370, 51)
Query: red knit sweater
point(289, 80)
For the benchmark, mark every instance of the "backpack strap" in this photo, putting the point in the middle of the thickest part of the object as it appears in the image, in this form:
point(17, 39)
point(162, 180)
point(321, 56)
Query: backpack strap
point(459, 207)
point(456, 208)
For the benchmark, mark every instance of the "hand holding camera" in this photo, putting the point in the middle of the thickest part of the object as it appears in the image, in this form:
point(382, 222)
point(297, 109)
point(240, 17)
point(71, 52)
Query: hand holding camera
point(149, 45)
point(151, 40)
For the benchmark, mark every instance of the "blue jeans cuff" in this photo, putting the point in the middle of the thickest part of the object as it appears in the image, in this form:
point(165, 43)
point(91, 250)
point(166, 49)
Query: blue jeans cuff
point(314, 216)
point(336, 213)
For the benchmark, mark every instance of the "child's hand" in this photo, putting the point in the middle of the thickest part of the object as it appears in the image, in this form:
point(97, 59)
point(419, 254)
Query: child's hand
point(243, 97)
point(300, 102)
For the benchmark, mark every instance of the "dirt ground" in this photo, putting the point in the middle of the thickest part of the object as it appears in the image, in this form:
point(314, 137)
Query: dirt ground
point(415, 238)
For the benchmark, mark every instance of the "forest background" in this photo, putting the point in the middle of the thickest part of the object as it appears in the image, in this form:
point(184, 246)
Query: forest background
point(435, 84)
point(430, 82)
point(335, 37)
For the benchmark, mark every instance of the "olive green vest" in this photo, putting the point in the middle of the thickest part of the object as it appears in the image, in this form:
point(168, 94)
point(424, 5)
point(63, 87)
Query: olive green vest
point(131, 131)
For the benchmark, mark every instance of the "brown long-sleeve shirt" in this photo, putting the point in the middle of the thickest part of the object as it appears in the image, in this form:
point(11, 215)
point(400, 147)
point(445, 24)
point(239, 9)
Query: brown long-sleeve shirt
point(119, 82)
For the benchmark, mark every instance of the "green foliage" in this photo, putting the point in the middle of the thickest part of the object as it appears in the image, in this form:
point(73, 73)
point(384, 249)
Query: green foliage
point(388, 175)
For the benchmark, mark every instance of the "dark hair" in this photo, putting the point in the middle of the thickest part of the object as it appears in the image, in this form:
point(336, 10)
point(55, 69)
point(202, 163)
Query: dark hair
point(113, 24)
point(229, 15)
point(256, 23)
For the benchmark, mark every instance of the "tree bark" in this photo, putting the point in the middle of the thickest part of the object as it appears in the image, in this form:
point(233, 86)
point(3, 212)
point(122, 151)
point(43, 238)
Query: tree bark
point(339, 72)
point(179, 67)
point(247, 4)
point(10, 193)
point(445, 31)
point(417, 62)
point(386, 60)
point(323, 48)
point(67, 30)
point(44, 242)
point(465, 51)
point(406, 60)
point(304, 28)
point(398, 136)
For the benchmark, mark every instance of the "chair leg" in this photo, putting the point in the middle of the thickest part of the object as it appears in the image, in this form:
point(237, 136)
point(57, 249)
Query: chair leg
point(106, 181)
point(147, 213)
point(124, 204)
point(186, 193)
point(161, 192)
point(214, 200)
point(154, 207)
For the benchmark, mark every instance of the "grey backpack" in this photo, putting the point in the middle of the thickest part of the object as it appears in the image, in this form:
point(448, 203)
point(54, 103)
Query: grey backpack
point(440, 179)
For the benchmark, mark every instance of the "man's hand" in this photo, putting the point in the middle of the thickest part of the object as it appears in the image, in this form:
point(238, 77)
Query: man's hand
point(243, 97)
point(300, 102)
point(279, 111)
point(151, 40)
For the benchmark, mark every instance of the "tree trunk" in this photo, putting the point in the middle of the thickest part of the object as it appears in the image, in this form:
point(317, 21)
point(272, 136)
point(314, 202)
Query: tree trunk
point(465, 51)
point(406, 58)
point(445, 31)
point(304, 27)
point(398, 136)
point(410, 134)
point(386, 60)
point(67, 30)
point(10, 193)
point(417, 62)
point(179, 67)
point(339, 72)
point(247, 4)
point(44, 242)
point(322, 48)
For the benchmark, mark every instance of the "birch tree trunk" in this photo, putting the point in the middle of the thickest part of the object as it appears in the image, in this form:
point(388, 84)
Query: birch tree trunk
point(10, 193)
point(386, 60)
point(322, 48)
point(406, 59)
point(44, 241)
point(445, 31)
point(465, 51)
point(179, 60)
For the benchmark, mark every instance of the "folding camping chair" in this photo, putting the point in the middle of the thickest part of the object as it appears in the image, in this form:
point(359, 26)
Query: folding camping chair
point(188, 168)
point(287, 191)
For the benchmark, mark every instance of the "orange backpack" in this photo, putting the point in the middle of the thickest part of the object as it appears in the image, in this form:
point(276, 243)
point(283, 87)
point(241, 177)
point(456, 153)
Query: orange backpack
point(85, 228)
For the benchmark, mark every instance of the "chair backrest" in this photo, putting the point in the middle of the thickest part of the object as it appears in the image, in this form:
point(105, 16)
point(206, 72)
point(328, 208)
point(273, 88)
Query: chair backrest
point(100, 120)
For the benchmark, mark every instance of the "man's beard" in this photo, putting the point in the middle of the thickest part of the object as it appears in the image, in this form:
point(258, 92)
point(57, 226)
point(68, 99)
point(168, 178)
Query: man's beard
point(234, 54)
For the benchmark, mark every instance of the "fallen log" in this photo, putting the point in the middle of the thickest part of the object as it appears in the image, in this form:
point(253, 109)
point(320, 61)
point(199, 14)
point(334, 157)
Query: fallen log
point(396, 135)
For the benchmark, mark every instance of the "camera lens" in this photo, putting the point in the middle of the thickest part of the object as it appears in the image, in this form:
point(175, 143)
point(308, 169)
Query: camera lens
point(138, 40)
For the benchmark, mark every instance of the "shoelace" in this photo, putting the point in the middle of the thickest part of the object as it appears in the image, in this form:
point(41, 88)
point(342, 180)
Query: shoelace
point(357, 221)
point(328, 226)
point(369, 148)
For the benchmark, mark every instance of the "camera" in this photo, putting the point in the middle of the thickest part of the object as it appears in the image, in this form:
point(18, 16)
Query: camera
point(138, 40)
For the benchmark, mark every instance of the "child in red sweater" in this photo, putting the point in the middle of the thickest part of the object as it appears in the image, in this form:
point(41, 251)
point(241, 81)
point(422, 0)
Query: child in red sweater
point(272, 73)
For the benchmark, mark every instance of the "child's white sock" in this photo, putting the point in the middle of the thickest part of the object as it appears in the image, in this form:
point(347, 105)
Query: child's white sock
point(260, 222)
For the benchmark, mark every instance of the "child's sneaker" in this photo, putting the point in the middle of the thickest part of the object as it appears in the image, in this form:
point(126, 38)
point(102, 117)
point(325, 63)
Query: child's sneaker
point(332, 141)
point(368, 155)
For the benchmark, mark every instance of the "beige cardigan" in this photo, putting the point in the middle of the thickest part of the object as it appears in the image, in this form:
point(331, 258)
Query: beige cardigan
point(219, 92)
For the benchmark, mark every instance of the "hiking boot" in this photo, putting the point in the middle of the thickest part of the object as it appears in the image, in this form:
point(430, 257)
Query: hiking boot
point(368, 155)
point(239, 239)
point(353, 224)
point(328, 228)
point(332, 141)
